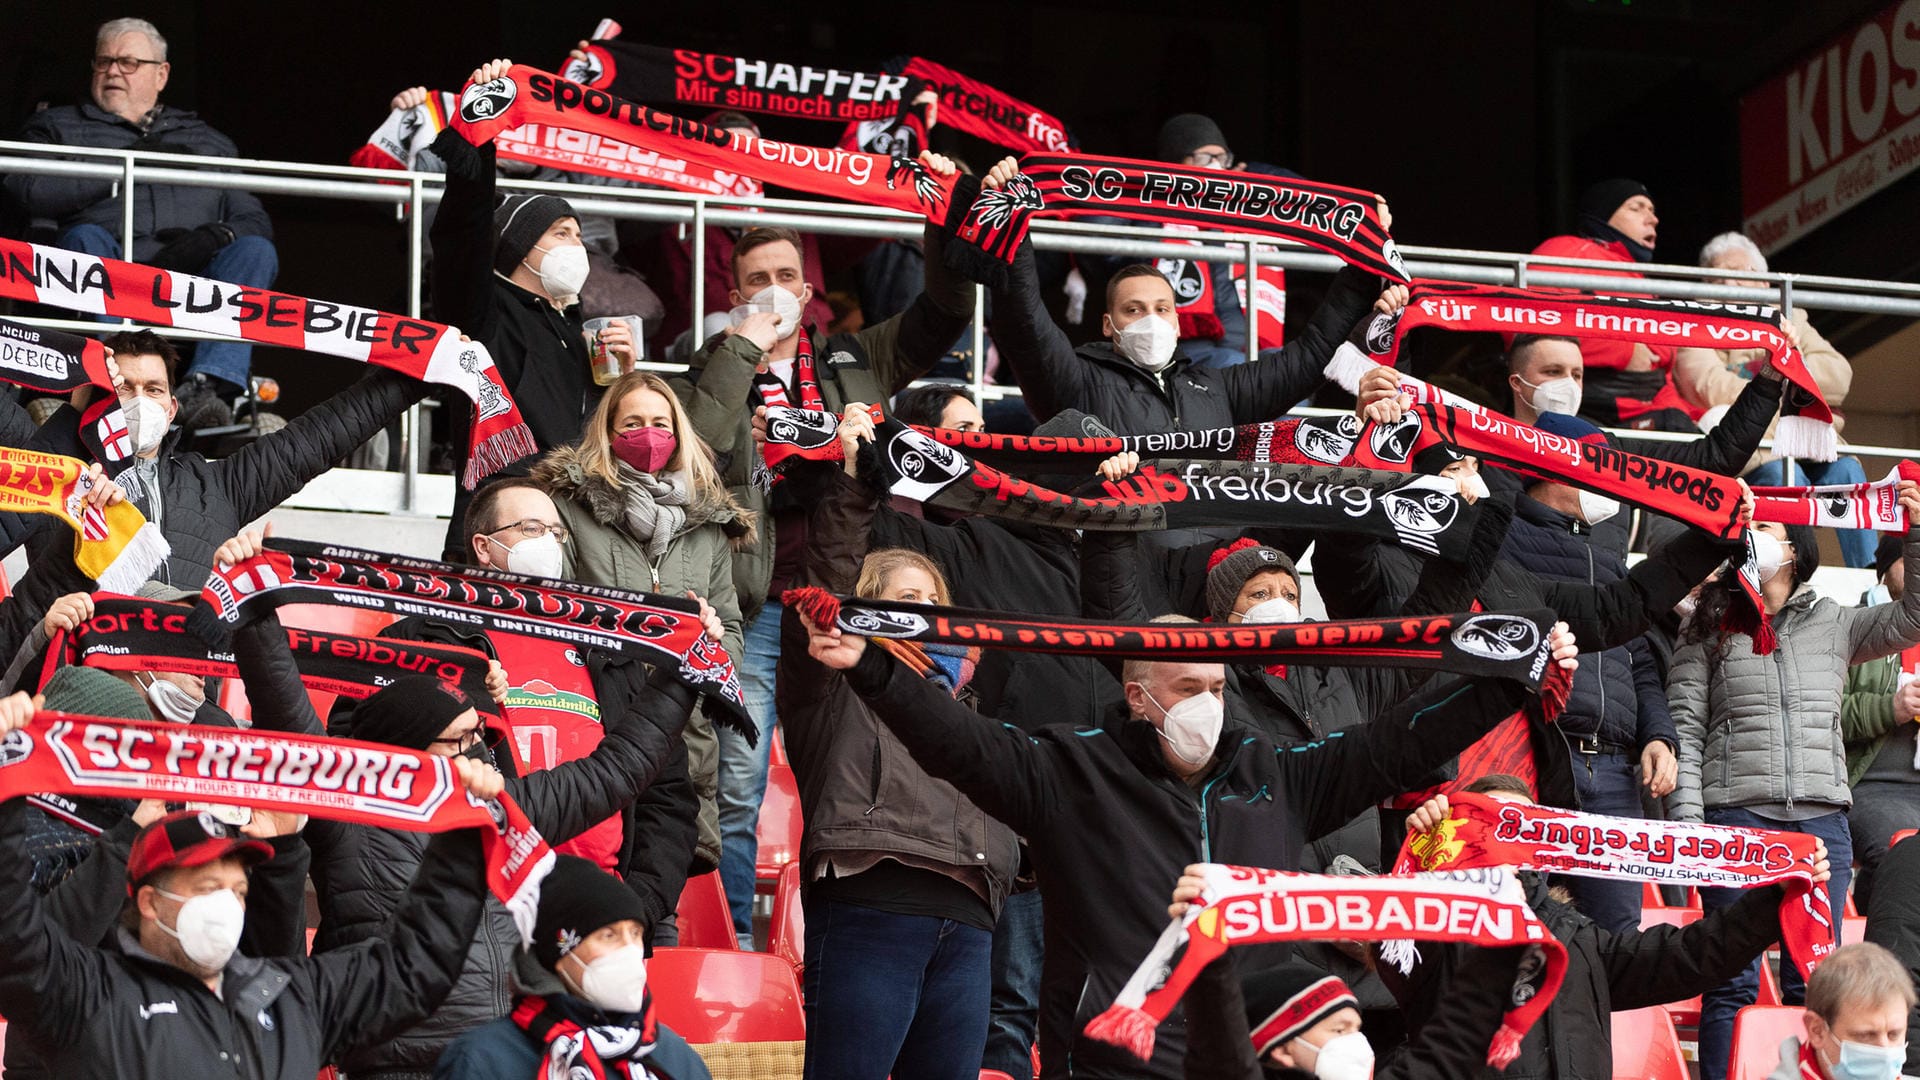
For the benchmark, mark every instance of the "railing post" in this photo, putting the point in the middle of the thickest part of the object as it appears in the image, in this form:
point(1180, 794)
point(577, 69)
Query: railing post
point(126, 214)
point(410, 421)
point(1786, 297)
point(1520, 272)
point(980, 346)
point(694, 336)
point(1253, 300)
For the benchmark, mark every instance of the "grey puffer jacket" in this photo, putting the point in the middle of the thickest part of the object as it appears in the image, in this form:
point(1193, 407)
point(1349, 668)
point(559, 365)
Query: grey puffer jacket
point(602, 552)
point(1758, 730)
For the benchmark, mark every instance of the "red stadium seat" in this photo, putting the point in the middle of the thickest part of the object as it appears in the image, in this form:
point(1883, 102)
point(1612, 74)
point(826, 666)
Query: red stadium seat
point(1853, 929)
point(1758, 1031)
point(787, 933)
point(994, 1074)
point(1851, 911)
point(1651, 896)
point(1645, 1046)
point(702, 916)
point(780, 827)
point(725, 995)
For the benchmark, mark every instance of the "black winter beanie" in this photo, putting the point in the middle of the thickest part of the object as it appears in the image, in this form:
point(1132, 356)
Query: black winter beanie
point(518, 223)
point(409, 712)
point(576, 899)
point(1182, 135)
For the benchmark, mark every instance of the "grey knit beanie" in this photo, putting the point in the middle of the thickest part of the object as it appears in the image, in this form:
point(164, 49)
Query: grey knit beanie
point(518, 223)
point(1230, 567)
point(90, 692)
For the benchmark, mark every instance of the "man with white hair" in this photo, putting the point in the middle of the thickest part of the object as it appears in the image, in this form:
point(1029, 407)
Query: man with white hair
point(1711, 379)
point(221, 233)
point(1857, 1002)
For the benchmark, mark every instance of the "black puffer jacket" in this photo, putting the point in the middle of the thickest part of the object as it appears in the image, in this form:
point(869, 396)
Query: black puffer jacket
point(657, 842)
point(1110, 826)
point(1622, 698)
point(203, 503)
point(1095, 379)
point(92, 1011)
point(361, 872)
point(1606, 973)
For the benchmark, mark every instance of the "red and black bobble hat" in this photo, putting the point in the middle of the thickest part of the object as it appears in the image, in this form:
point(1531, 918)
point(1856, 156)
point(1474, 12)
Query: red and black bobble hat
point(1286, 1001)
point(187, 838)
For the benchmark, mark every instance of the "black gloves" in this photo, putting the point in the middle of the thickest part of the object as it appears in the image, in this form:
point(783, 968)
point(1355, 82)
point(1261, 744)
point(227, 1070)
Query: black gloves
point(190, 250)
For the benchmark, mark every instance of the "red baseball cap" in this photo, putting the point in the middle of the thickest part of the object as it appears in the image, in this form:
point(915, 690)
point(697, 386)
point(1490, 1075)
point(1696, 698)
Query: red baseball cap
point(189, 838)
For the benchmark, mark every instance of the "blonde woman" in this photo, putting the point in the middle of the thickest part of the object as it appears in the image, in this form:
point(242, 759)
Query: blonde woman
point(646, 511)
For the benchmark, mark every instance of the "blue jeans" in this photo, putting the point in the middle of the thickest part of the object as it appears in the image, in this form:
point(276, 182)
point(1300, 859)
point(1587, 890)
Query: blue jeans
point(1856, 545)
point(1017, 950)
point(1605, 785)
point(249, 260)
point(899, 994)
point(743, 768)
point(1718, 1005)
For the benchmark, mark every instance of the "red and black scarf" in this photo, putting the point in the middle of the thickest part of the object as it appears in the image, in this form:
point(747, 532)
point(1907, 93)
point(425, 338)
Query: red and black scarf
point(1425, 513)
point(987, 225)
point(1508, 645)
point(1243, 905)
point(658, 630)
point(773, 391)
point(1342, 221)
point(413, 347)
point(713, 81)
point(128, 633)
point(570, 1050)
point(56, 363)
point(1481, 833)
point(386, 787)
point(1873, 505)
point(405, 132)
point(1806, 423)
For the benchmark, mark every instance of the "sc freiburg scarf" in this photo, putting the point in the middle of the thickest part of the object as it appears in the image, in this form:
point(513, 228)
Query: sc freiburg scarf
point(1873, 505)
point(1508, 645)
point(128, 633)
point(1340, 220)
point(658, 630)
point(989, 225)
point(1806, 423)
point(412, 347)
point(1481, 832)
point(1422, 512)
point(56, 363)
point(1248, 906)
point(116, 547)
point(337, 779)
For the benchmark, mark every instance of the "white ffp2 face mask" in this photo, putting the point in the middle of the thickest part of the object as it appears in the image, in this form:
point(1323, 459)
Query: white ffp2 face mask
point(209, 926)
point(1277, 610)
point(562, 272)
point(1595, 508)
point(1192, 726)
point(1560, 395)
point(147, 422)
point(786, 306)
point(1147, 341)
point(169, 700)
point(1344, 1057)
point(1769, 554)
point(1476, 485)
point(539, 556)
point(617, 981)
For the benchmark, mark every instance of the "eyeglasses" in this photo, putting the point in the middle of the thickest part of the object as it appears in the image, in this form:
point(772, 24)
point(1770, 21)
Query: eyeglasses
point(126, 65)
point(533, 529)
point(461, 744)
point(1212, 161)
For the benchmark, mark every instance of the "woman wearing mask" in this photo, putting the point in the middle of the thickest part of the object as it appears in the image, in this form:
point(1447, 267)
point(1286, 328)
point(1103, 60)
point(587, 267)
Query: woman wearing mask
point(904, 877)
point(1760, 736)
point(645, 510)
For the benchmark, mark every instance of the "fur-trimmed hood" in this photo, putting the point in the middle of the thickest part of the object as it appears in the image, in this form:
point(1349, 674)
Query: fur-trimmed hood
point(564, 474)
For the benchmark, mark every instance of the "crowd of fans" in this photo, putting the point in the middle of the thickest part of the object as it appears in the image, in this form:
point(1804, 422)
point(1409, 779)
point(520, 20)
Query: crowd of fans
point(992, 838)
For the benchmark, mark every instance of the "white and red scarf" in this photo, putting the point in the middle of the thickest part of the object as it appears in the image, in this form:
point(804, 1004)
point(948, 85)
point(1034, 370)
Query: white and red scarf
point(570, 1050)
point(1481, 832)
point(1873, 505)
point(773, 391)
point(1806, 423)
point(423, 350)
point(1248, 906)
point(386, 787)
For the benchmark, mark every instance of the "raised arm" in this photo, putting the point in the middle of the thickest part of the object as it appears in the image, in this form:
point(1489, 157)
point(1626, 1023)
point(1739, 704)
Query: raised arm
point(1672, 963)
point(1284, 376)
point(1733, 440)
point(1612, 614)
point(1033, 346)
point(1885, 629)
point(461, 280)
point(266, 472)
point(641, 726)
point(906, 346)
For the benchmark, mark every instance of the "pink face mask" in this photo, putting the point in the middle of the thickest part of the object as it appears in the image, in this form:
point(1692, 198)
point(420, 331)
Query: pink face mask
point(646, 448)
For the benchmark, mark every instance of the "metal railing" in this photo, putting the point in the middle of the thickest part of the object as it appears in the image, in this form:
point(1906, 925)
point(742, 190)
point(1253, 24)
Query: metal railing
point(410, 192)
